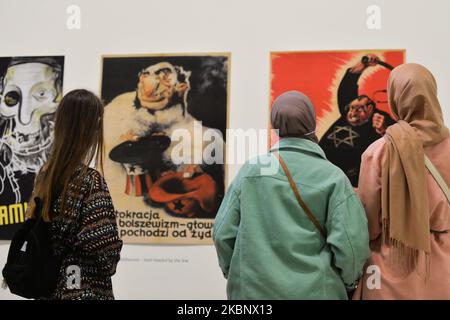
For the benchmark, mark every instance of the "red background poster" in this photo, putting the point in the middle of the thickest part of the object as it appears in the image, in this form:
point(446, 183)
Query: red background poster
point(317, 74)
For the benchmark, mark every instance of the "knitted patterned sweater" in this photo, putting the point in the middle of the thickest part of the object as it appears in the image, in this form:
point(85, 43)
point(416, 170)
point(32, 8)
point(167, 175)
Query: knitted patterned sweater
point(86, 238)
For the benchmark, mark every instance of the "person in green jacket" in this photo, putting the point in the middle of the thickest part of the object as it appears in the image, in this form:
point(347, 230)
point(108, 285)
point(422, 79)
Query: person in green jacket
point(267, 246)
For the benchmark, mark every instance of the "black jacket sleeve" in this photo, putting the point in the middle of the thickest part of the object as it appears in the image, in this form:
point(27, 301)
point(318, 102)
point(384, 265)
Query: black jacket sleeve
point(348, 90)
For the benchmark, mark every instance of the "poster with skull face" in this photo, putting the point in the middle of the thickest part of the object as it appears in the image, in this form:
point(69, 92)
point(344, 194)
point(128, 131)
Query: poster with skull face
point(165, 122)
point(348, 90)
point(30, 90)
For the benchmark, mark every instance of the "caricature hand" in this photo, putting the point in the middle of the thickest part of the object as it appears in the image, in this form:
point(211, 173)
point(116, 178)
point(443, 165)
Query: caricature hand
point(181, 88)
point(372, 60)
point(378, 123)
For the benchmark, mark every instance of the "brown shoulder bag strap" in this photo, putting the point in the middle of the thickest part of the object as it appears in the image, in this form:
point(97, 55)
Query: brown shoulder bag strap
point(438, 178)
point(298, 197)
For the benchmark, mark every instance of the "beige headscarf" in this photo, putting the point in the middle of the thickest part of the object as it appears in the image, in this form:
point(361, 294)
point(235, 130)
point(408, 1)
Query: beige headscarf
point(413, 101)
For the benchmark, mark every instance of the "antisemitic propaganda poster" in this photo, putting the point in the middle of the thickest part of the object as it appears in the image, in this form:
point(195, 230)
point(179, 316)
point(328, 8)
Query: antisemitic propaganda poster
point(165, 123)
point(348, 90)
point(30, 90)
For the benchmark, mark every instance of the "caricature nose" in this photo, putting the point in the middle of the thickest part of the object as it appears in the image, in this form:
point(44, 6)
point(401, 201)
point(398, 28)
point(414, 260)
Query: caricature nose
point(25, 113)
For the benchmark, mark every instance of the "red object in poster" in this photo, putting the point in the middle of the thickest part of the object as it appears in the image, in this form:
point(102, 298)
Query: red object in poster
point(348, 90)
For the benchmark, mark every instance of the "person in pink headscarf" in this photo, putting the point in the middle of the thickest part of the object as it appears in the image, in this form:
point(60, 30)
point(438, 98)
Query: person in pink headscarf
point(407, 210)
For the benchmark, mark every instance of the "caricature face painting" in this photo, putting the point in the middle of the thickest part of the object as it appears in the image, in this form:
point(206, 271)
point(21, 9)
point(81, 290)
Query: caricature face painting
point(158, 198)
point(31, 88)
point(30, 100)
point(158, 83)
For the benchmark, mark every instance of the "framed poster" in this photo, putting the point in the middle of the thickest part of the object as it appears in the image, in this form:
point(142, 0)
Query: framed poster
point(348, 90)
point(30, 90)
point(165, 123)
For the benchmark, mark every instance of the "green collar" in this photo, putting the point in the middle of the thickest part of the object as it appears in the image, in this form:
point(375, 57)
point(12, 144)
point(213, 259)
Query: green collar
point(299, 144)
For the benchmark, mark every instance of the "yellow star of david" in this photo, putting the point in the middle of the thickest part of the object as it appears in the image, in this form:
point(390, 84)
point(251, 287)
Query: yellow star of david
point(346, 140)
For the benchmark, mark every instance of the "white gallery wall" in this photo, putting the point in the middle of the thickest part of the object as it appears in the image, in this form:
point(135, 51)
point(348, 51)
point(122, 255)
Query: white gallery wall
point(249, 29)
